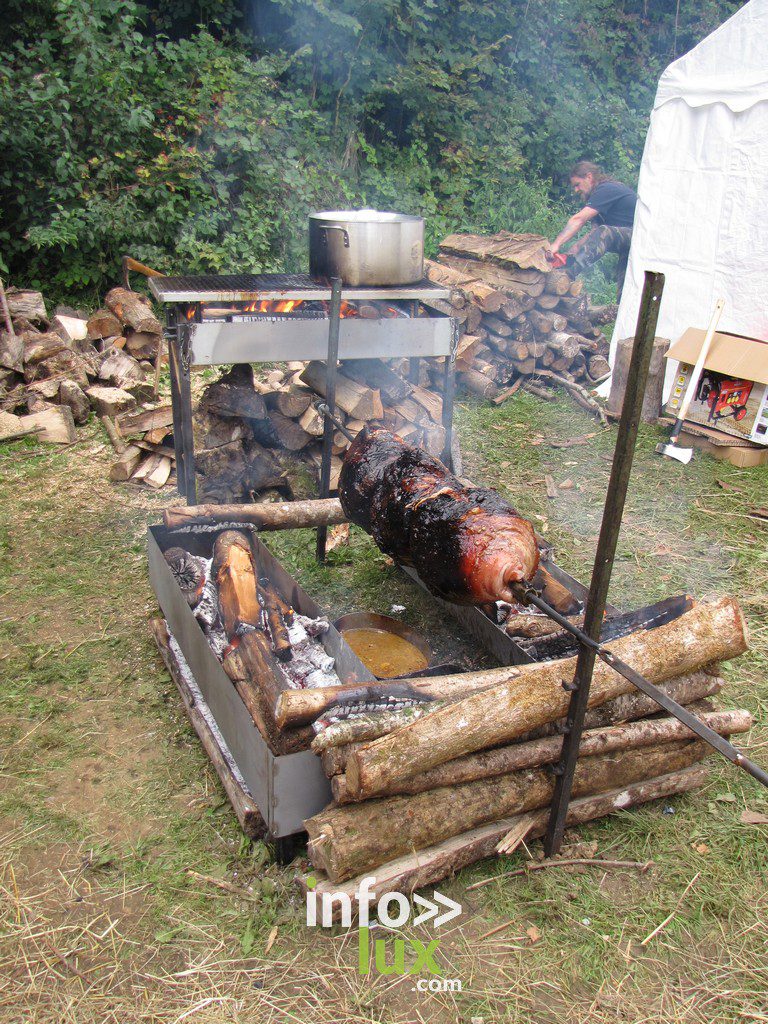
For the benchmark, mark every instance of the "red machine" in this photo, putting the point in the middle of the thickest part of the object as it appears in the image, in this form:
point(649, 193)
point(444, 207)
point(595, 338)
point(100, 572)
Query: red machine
point(726, 396)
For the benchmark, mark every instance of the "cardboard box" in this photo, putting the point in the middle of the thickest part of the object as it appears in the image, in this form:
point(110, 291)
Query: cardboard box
point(732, 391)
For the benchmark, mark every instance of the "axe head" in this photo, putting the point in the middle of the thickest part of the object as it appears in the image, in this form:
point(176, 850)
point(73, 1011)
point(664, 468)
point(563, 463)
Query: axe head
point(672, 451)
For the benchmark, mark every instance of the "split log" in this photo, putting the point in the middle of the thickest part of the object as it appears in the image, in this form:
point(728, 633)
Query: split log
point(557, 282)
point(290, 515)
point(359, 401)
point(160, 472)
point(127, 464)
point(476, 382)
point(234, 395)
point(547, 301)
point(498, 326)
point(599, 368)
point(345, 841)
point(142, 344)
point(56, 426)
point(132, 310)
point(483, 295)
point(535, 753)
point(416, 870)
point(313, 422)
point(292, 401)
point(528, 696)
point(289, 433)
point(376, 374)
point(429, 401)
point(11, 351)
point(103, 324)
point(147, 419)
point(26, 305)
point(235, 574)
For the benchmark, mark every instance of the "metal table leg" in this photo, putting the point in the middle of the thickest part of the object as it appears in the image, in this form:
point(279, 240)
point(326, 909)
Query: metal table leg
point(449, 388)
point(172, 335)
point(606, 550)
point(331, 367)
point(181, 394)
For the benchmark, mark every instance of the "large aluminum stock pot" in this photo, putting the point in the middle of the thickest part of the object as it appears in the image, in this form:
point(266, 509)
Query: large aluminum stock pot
point(366, 247)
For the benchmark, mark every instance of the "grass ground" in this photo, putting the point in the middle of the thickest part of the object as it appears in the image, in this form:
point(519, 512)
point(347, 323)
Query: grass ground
point(107, 800)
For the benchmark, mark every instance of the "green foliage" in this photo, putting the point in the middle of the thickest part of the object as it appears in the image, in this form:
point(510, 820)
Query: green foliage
point(197, 136)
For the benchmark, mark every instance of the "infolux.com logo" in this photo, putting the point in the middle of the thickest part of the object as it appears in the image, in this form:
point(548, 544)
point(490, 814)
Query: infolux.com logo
point(393, 910)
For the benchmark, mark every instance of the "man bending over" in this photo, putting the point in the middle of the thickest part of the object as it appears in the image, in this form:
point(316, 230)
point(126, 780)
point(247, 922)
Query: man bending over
point(609, 210)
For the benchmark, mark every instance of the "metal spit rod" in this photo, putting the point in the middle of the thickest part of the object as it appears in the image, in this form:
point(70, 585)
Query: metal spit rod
point(528, 595)
point(323, 409)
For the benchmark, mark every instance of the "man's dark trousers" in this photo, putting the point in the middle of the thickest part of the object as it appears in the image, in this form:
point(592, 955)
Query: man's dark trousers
point(600, 240)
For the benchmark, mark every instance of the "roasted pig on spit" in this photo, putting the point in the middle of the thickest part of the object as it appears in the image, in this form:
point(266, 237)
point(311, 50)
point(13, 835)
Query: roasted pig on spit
point(466, 543)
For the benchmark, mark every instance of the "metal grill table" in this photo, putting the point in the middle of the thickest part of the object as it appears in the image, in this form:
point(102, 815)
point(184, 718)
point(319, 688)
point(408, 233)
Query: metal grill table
point(257, 287)
point(240, 336)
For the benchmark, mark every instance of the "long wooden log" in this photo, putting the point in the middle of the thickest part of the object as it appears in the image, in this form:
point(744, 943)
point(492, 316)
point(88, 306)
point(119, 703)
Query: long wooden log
point(416, 870)
point(298, 707)
point(338, 741)
point(531, 695)
point(356, 732)
point(290, 515)
point(132, 310)
point(235, 573)
point(250, 669)
point(345, 841)
point(648, 732)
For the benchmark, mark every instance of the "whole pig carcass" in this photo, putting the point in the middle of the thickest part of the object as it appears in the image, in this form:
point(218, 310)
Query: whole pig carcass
point(466, 543)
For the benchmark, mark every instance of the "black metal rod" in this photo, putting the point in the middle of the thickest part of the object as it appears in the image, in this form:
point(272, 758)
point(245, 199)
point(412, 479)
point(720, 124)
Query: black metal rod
point(682, 714)
point(449, 390)
point(323, 409)
point(172, 333)
point(331, 367)
point(606, 550)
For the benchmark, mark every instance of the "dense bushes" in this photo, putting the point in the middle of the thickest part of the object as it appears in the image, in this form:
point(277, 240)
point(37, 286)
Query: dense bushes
point(129, 129)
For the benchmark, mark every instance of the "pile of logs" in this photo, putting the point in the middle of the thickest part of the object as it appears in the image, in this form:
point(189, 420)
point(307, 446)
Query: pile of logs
point(423, 791)
point(54, 372)
point(264, 437)
point(523, 321)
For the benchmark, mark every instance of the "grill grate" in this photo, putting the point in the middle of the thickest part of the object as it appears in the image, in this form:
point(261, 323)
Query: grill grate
point(250, 287)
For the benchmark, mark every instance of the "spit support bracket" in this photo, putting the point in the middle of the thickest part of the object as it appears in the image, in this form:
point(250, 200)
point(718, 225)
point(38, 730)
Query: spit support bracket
point(529, 595)
point(589, 637)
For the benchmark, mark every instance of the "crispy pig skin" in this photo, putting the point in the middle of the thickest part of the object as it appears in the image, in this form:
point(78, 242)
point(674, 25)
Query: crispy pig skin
point(467, 543)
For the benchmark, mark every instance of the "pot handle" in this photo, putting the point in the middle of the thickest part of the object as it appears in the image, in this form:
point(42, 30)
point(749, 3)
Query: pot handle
point(334, 227)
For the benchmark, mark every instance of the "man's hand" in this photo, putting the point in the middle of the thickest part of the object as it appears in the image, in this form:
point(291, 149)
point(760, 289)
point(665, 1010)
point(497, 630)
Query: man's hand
point(553, 248)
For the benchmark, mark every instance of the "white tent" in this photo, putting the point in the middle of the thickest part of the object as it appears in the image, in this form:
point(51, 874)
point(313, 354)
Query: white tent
point(702, 215)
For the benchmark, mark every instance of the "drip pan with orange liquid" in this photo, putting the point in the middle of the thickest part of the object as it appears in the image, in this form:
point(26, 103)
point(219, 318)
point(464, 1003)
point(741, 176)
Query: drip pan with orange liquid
point(386, 647)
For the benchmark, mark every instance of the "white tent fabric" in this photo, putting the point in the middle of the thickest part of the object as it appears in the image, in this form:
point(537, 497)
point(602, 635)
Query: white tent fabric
point(702, 213)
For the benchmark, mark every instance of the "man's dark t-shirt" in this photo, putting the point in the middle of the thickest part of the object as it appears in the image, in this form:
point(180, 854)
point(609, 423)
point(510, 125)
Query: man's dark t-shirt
point(614, 202)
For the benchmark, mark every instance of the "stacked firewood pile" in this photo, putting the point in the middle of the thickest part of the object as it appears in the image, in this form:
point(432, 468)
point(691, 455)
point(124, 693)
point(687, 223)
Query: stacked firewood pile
point(264, 437)
point(55, 371)
point(420, 792)
point(525, 324)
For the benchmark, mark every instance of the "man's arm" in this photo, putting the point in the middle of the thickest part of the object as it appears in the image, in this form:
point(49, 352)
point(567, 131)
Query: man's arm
point(574, 225)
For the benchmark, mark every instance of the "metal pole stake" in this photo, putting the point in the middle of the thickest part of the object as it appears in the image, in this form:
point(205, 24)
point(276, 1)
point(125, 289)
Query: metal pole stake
point(606, 550)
